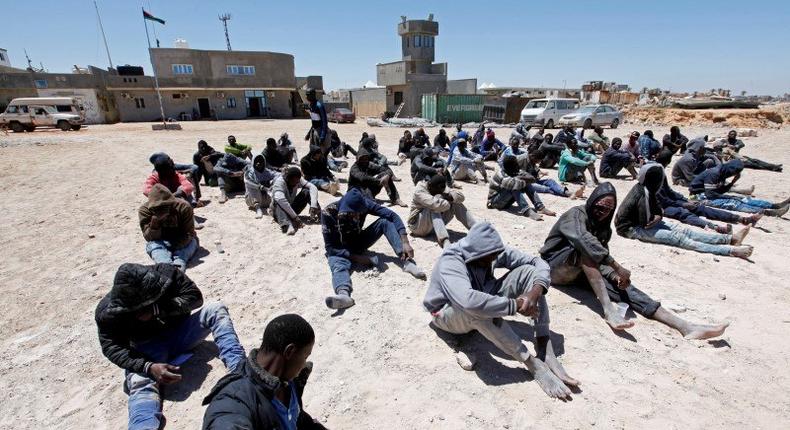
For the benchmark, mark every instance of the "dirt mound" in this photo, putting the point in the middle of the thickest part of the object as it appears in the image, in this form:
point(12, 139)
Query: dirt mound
point(766, 117)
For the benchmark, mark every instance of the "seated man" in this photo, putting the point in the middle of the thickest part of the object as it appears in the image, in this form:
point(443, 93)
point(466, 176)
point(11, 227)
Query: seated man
point(428, 165)
point(432, 207)
point(346, 241)
point(490, 147)
point(711, 188)
point(522, 132)
point(205, 159)
point(168, 227)
point(464, 163)
point(614, 160)
point(640, 217)
point(441, 140)
point(421, 138)
point(600, 143)
point(633, 146)
point(552, 151)
point(565, 135)
point(230, 171)
point(290, 195)
point(577, 250)
point(371, 178)
point(147, 327)
point(674, 141)
point(513, 149)
point(729, 148)
point(237, 149)
point(165, 173)
point(573, 163)
point(509, 185)
point(265, 391)
point(258, 179)
point(316, 170)
point(534, 142)
point(287, 149)
point(677, 206)
point(275, 159)
point(649, 147)
point(479, 135)
point(693, 162)
point(372, 146)
point(340, 148)
point(463, 295)
point(405, 146)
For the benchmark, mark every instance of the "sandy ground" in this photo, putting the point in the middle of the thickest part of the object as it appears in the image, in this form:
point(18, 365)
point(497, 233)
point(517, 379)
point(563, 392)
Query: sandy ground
point(69, 219)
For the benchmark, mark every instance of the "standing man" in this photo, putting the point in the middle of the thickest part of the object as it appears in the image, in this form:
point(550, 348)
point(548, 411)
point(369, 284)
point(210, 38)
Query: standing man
point(147, 327)
point(319, 126)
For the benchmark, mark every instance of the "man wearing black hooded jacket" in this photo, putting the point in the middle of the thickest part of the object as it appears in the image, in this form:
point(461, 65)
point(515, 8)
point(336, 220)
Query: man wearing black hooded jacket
point(146, 327)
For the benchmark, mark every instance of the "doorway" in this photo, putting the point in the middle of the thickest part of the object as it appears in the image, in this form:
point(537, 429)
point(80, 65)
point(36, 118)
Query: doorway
point(205, 108)
point(256, 103)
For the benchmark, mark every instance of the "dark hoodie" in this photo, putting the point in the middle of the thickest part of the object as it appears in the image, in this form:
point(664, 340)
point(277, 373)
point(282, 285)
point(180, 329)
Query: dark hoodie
point(365, 178)
point(204, 149)
point(689, 164)
point(426, 166)
point(441, 140)
point(274, 157)
point(135, 287)
point(713, 182)
point(473, 290)
point(577, 231)
point(312, 169)
point(641, 204)
point(674, 141)
point(179, 226)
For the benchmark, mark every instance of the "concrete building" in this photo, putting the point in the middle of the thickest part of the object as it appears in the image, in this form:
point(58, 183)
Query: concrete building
point(416, 73)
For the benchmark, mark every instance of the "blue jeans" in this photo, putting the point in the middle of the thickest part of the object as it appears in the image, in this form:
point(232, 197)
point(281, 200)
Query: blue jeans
point(173, 346)
point(161, 251)
point(549, 186)
point(341, 266)
point(684, 237)
point(335, 165)
point(739, 204)
point(320, 183)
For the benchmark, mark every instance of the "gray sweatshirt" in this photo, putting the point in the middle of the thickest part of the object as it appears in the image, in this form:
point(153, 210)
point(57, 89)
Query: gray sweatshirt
point(453, 281)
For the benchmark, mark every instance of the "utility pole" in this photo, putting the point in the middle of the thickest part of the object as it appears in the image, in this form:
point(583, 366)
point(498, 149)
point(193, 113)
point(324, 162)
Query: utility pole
point(225, 18)
point(101, 27)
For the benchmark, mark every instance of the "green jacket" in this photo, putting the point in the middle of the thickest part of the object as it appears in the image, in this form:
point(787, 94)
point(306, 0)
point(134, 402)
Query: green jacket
point(237, 150)
point(580, 159)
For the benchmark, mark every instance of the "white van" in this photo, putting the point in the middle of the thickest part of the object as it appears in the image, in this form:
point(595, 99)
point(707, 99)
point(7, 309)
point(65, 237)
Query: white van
point(547, 112)
point(26, 114)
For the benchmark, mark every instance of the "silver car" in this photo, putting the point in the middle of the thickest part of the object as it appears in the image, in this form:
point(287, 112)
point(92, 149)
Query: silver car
point(591, 115)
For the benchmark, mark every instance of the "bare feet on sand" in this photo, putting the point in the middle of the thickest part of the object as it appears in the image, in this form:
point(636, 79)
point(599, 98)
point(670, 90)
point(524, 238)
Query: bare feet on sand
point(556, 368)
point(547, 212)
point(701, 331)
point(751, 219)
point(548, 382)
point(579, 194)
point(613, 318)
point(739, 236)
point(744, 251)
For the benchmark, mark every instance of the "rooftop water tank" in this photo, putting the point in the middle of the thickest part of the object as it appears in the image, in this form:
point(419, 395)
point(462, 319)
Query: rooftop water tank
point(181, 43)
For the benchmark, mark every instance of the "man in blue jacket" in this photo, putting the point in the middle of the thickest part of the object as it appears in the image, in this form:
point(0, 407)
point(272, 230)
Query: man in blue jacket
point(319, 125)
point(346, 241)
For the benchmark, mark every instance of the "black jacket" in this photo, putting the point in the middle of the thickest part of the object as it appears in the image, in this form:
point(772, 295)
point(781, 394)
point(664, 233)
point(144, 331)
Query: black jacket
point(613, 160)
point(242, 399)
point(425, 166)
point(713, 181)
point(136, 287)
point(312, 169)
point(634, 212)
point(441, 140)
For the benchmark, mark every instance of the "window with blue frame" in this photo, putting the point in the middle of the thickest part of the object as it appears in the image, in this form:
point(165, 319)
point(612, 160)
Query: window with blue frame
point(41, 83)
point(233, 69)
point(182, 69)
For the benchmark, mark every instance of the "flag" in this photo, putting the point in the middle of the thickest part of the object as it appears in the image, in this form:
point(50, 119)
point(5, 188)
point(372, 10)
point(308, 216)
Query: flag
point(150, 17)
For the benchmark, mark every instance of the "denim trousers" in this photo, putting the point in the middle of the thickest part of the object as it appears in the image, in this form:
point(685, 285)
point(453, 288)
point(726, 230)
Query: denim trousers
point(739, 204)
point(549, 186)
point(341, 266)
point(173, 346)
point(683, 237)
point(161, 251)
point(515, 283)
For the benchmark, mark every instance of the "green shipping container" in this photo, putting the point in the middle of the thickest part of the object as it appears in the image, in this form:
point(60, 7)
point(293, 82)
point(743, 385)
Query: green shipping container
point(452, 108)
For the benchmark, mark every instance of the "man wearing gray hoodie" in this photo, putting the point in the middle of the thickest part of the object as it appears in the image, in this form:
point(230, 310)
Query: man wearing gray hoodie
point(463, 295)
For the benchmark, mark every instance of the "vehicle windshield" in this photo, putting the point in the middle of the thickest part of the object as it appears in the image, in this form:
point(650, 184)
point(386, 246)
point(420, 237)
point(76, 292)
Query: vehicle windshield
point(587, 109)
point(343, 111)
point(536, 104)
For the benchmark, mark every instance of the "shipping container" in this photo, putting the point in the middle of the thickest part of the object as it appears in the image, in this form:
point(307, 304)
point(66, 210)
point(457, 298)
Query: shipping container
point(452, 108)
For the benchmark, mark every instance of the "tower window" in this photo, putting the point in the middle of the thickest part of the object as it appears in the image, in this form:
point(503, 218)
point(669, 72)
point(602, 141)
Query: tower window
point(417, 41)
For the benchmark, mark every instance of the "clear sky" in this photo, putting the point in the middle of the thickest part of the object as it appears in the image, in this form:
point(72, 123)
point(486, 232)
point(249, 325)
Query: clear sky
point(680, 45)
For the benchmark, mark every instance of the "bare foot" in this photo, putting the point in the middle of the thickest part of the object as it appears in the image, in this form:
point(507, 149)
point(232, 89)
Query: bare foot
point(738, 236)
point(466, 360)
point(751, 219)
point(613, 318)
point(548, 382)
point(701, 331)
point(744, 251)
point(724, 229)
point(547, 212)
point(559, 371)
point(579, 194)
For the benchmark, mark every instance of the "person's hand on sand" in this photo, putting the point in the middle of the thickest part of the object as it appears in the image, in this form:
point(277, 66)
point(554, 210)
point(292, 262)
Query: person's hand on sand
point(165, 373)
point(623, 277)
point(297, 223)
point(408, 251)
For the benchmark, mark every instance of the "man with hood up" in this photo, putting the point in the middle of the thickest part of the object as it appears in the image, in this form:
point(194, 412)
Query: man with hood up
point(291, 193)
point(257, 181)
point(693, 162)
point(640, 217)
point(509, 185)
point(147, 327)
point(428, 165)
point(168, 226)
point(711, 188)
point(372, 146)
point(577, 250)
point(316, 170)
point(371, 178)
point(346, 242)
point(729, 148)
point(205, 159)
point(615, 159)
point(166, 174)
point(674, 141)
point(237, 149)
point(463, 163)
point(433, 206)
point(464, 295)
point(441, 140)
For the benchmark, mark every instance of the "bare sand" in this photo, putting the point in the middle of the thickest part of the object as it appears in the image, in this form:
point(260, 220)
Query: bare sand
point(69, 219)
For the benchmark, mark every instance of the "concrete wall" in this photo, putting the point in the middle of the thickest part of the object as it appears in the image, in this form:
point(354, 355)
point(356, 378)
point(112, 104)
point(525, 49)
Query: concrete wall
point(315, 82)
point(407, 30)
point(369, 101)
point(391, 73)
point(94, 113)
point(462, 86)
point(15, 85)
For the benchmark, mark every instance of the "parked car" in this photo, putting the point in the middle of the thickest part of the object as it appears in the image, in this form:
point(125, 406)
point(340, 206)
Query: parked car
point(342, 115)
point(591, 115)
point(547, 112)
point(27, 114)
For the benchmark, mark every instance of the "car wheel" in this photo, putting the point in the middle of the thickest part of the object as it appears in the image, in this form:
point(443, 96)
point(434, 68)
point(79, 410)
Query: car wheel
point(615, 123)
point(76, 127)
point(64, 125)
point(550, 124)
point(17, 127)
point(588, 123)
point(30, 128)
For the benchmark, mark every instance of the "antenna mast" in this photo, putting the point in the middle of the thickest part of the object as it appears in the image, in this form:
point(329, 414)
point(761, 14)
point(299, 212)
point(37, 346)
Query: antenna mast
point(103, 36)
point(225, 18)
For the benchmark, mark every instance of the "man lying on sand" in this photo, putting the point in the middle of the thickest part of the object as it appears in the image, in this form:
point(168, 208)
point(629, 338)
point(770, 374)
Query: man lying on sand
point(463, 295)
point(578, 253)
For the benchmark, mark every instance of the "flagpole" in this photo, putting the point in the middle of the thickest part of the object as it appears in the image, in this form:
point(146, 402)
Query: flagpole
point(156, 80)
point(101, 27)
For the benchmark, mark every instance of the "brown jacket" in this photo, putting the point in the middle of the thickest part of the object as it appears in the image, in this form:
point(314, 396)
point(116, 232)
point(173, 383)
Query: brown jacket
point(177, 227)
point(425, 200)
